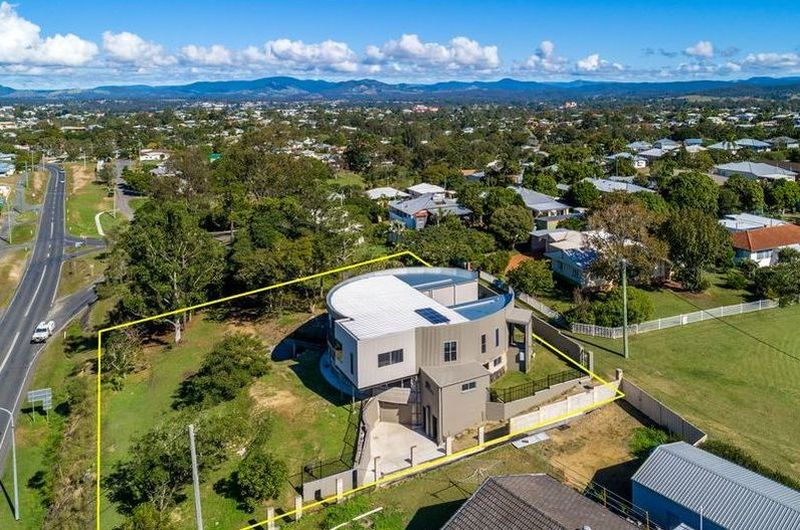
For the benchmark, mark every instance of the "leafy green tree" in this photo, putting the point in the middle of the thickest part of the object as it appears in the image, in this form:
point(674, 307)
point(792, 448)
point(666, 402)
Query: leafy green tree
point(728, 201)
point(511, 225)
point(120, 354)
point(750, 193)
point(541, 181)
point(448, 243)
point(784, 195)
point(606, 309)
point(692, 190)
point(164, 261)
point(653, 202)
point(531, 277)
point(260, 476)
point(782, 280)
point(583, 194)
point(496, 198)
point(697, 243)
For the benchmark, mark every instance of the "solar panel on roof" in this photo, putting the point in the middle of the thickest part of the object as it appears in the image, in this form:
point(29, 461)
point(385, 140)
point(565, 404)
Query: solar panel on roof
point(432, 315)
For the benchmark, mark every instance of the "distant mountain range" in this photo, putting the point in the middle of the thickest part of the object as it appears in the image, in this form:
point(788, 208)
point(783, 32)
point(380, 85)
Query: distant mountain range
point(367, 90)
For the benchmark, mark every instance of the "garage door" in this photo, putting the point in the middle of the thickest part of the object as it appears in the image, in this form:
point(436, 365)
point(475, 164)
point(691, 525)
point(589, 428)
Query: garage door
point(396, 413)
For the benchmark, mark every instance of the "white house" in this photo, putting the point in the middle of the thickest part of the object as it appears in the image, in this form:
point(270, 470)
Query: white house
point(737, 222)
point(153, 155)
point(763, 245)
point(754, 170)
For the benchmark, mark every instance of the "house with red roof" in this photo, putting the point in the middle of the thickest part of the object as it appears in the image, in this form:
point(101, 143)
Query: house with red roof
point(762, 245)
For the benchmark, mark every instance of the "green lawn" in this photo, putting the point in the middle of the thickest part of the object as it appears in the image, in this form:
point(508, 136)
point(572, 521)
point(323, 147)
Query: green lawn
point(347, 178)
point(735, 378)
point(545, 363)
point(307, 425)
point(79, 272)
point(12, 265)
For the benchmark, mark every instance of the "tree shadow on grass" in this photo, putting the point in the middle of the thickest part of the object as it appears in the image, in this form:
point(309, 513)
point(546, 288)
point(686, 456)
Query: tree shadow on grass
point(433, 516)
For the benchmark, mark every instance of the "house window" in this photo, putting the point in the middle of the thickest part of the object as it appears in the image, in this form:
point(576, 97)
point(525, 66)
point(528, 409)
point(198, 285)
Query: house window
point(390, 357)
point(352, 362)
point(467, 387)
point(496, 337)
point(498, 361)
point(450, 351)
point(483, 343)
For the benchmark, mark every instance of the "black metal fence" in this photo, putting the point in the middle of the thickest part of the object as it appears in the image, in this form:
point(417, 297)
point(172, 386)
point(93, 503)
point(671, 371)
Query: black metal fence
point(527, 389)
point(319, 469)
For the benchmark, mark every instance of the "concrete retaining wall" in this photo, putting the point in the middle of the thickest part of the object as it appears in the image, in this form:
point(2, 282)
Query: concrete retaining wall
point(569, 347)
point(660, 414)
point(504, 411)
point(326, 486)
point(571, 404)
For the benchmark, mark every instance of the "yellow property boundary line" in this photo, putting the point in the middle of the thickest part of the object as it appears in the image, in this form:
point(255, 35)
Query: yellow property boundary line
point(386, 478)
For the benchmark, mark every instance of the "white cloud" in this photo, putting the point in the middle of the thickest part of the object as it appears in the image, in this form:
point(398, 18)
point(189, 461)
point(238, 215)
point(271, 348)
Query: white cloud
point(327, 55)
point(21, 43)
point(703, 49)
point(126, 47)
point(544, 59)
point(409, 52)
point(773, 61)
point(215, 55)
point(593, 64)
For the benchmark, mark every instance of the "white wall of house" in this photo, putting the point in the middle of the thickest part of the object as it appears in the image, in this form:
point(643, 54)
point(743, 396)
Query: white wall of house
point(763, 258)
point(366, 372)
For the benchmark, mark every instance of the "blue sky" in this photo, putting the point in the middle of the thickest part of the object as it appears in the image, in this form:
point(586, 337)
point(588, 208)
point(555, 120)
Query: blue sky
point(80, 43)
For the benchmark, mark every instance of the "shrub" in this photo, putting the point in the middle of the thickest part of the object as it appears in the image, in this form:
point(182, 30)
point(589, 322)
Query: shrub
point(607, 308)
point(741, 457)
point(342, 513)
point(645, 439)
point(231, 365)
point(735, 279)
point(260, 476)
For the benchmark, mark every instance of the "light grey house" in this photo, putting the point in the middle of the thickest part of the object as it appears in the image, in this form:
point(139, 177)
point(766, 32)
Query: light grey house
point(417, 212)
point(754, 170)
point(435, 331)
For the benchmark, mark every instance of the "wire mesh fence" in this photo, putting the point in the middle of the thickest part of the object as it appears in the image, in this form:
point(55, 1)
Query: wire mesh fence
point(529, 388)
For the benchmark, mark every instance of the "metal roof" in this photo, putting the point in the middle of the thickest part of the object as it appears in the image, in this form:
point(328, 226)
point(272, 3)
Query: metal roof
point(608, 186)
point(729, 495)
point(384, 304)
point(538, 201)
point(758, 169)
point(431, 202)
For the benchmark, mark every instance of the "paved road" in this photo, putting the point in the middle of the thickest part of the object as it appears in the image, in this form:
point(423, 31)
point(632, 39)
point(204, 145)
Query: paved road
point(32, 303)
point(123, 195)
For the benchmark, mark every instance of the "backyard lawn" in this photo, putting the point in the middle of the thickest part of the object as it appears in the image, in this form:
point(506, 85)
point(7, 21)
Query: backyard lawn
point(737, 378)
point(309, 421)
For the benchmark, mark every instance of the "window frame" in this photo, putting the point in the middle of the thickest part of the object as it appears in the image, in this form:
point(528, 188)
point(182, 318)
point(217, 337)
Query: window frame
point(450, 350)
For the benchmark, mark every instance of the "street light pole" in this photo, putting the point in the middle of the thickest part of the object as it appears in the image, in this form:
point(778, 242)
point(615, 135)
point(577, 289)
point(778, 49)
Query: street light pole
point(625, 308)
point(198, 512)
point(13, 462)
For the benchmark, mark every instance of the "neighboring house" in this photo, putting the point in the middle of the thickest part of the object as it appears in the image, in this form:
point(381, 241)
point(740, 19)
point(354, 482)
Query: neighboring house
point(573, 264)
point(420, 210)
point(639, 146)
point(784, 142)
point(550, 240)
point(680, 484)
point(666, 144)
point(152, 155)
point(6, 169)
point(746, 221)
point(532, 502)
point(386, 193)
point(762, 245)
point(754, 170)
point(694, 149)
point(638, 161)
point(725, 146)
point(424, 188)
point(653, 154)
point(7, 157)
point(432, 330)
point(609, 186)
point(540, 204)
point(752, 144)
point(692, 141)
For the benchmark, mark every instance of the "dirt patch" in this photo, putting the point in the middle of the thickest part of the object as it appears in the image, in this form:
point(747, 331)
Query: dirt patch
point(12, 265)
point(515, 260)
point(595, 446)
point(272, 330)
point(81, 177)
point(283, 402)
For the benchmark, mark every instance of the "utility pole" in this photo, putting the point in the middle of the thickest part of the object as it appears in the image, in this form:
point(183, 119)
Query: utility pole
point(198, 512)
point(13, 462)
point(625, 308)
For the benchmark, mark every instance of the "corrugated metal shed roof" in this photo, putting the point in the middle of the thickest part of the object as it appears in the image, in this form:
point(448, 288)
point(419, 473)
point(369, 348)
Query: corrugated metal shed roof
point(729, 495)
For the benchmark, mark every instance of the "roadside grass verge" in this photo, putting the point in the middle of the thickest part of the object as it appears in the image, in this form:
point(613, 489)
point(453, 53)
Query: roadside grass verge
point(85, 199)
point(736, 378)
point(34, 192)
point(24, 229)
point(79, 272)
point(12, 266)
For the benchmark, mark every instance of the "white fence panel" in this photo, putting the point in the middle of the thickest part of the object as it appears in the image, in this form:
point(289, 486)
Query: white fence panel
point(669, 322)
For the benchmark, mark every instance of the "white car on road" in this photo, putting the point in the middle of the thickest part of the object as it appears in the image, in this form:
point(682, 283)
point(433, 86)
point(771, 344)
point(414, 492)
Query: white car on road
point(43, 331)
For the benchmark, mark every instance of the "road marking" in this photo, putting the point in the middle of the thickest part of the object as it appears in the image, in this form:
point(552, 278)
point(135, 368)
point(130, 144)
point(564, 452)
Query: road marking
point(51, 228)
point(8, 353)
point(36, 292)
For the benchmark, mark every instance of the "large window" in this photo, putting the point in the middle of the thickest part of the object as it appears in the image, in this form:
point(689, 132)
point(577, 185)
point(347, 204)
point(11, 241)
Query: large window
point(483, 343)
point(466, 387)
point(390, 357)
point(450, 351)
